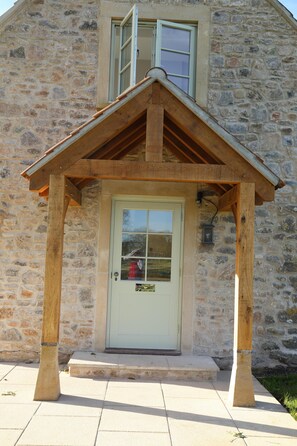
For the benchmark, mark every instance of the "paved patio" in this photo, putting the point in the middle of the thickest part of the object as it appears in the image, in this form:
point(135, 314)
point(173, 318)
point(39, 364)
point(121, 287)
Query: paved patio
point(117, 412)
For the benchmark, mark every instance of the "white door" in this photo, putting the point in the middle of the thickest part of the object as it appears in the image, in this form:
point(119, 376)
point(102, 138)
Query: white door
point(145, 275)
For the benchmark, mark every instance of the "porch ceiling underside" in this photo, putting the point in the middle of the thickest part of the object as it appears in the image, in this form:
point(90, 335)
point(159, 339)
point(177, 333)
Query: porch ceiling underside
point(112, 143)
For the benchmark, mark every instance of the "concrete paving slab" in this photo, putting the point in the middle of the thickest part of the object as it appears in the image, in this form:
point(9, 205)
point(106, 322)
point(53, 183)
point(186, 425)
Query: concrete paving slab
point(204, 433)
point(16, 416)
point(74, 406)
point(9, 437)
point(23, 374)
point(122, 412)
point(133, 419)
point(150, 397)
point(60, 431)
point(5, 368)
point(132, 439)
point(270, 441)
point(16, 393)
point(189, 389)
point(195, 409)
point(82, 386)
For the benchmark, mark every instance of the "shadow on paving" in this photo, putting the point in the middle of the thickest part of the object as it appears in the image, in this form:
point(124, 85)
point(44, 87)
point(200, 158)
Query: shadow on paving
point(186, 416)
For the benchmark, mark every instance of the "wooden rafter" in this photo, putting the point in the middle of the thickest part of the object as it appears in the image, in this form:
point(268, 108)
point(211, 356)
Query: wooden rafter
point(212, 143)
point(187, 143)
point(87, 142)
point(124, 142)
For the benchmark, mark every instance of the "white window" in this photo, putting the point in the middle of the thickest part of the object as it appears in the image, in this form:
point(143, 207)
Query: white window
point(139, 45)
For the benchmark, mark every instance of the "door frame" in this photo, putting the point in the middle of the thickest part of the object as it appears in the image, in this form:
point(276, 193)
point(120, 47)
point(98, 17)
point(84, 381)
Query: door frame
point(185, 192)
point(148, 199)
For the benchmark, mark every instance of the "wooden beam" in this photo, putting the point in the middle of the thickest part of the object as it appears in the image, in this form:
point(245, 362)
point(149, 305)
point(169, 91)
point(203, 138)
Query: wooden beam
point(212, 143)
point(227, 200)
point(134, 170)
point(87, 141)
point(241, 392)
point(154, 133)
point(72, 192)
point(48, 385)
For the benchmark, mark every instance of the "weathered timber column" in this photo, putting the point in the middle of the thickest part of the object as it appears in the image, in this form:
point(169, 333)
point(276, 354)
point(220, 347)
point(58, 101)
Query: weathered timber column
point(48, 384)
point(241, 392)
point(154, 128)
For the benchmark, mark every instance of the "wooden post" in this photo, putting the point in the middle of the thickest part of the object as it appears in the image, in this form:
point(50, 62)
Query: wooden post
point(48, 384)
point(241, 391)
point(154, 128)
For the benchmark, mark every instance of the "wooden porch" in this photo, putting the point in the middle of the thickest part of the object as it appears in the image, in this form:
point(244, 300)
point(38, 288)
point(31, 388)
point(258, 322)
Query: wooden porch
point(153, 132)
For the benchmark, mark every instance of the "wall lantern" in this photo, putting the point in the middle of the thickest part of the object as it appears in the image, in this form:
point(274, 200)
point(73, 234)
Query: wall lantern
point(207, 234)
point(207, 228)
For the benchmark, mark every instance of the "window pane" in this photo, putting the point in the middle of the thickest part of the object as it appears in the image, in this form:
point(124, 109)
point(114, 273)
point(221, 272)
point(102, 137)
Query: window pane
point(181, 82)
point(127, 30)
point(125, 79)
point(160, 221)
point(159, 245)
point(176, 39)
point(134, 220)
point(132, 269)
point(159, 270)
point(133, 245)
point(175, 63)
point(126, 55)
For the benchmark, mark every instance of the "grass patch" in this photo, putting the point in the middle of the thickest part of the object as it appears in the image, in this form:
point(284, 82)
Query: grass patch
point(284, 389)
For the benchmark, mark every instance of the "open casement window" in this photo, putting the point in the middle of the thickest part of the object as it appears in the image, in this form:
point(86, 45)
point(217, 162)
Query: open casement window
point(175, 49)
point(128, 50)
point(138, 46)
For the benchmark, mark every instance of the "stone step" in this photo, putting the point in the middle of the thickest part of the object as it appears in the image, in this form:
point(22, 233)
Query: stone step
point(108, 365)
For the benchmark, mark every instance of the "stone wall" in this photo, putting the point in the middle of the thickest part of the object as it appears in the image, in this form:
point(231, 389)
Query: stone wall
point(253, 94)
point(48, 82)
point(47, 86)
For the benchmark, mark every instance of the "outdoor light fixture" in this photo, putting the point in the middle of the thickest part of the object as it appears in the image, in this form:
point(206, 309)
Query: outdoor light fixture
point(207, 234)
point(207, 229)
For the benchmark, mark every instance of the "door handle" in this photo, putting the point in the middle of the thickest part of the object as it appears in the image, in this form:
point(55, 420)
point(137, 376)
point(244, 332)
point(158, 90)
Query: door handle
point(116, 275)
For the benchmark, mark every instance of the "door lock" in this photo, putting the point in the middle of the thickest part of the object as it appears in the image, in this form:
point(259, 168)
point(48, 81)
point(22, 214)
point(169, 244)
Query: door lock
point(116, 275)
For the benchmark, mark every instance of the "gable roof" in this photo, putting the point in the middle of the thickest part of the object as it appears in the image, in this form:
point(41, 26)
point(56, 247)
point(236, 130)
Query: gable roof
point(189, 132)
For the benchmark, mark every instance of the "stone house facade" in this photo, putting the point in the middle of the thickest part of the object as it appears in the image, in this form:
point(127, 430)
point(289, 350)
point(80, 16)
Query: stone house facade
point(54, 76)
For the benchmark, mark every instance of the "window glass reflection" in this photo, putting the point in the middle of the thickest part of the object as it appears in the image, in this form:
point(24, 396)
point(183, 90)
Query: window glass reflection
point(133, 245)
point(133, 269)
point(175, 63)
point(159, 245)
point(159, 270)
point(181, 82)
point(160, 221)
point(134, 220)
point(176, 39)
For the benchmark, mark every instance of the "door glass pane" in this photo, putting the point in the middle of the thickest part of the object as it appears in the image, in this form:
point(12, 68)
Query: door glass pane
point(160, 221)
point(181, 82)
point(133, 245)
point(176, 39)
point(134, 220)
point(133, 269)
point(175, 63)
point(159, 270)
point(159, 245)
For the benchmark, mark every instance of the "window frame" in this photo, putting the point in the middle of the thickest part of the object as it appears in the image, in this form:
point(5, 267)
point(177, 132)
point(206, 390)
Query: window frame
point(133, 15)
point(198, 15)
point(192, 52)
